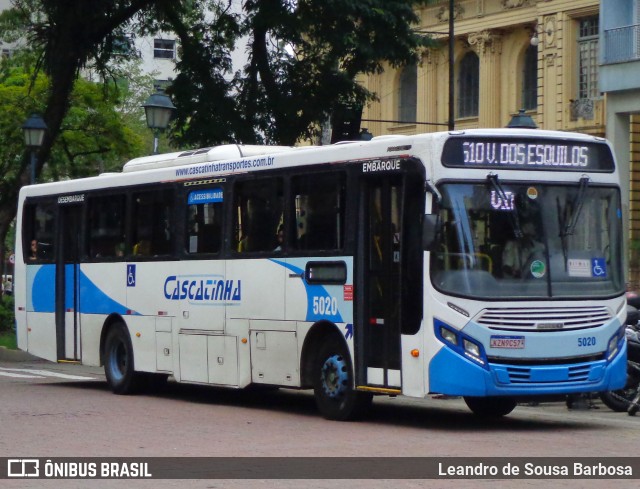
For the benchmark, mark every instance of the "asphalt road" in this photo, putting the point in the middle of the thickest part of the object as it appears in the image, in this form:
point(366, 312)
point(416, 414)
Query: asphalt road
point(59, 410)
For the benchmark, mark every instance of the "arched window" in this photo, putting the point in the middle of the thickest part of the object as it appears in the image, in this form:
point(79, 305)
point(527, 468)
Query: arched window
point(408, 97)
point(530, 79)
point(468, 85)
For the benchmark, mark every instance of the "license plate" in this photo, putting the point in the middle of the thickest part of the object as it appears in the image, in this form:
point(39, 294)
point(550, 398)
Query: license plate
point(512, 342)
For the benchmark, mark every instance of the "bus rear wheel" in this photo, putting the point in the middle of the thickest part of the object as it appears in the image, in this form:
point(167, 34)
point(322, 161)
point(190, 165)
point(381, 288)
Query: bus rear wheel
point(118, 361)
point(491, 407)
point(334, 390)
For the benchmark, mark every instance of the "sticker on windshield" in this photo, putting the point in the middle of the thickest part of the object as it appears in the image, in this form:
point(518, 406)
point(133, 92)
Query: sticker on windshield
point(587, 268)
point(599, 267)
point(579, 267)
point(532, 193)
point(538, 268)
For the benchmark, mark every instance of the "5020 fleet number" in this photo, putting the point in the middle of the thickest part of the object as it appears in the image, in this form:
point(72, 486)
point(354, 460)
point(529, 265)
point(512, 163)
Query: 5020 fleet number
point(587, 341)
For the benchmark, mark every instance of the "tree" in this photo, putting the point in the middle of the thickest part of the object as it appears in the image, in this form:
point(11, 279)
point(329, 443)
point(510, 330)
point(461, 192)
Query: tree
point(65, 35)
point(303, 59)
point(68, 35)
point(20, 94)
point(94, 135)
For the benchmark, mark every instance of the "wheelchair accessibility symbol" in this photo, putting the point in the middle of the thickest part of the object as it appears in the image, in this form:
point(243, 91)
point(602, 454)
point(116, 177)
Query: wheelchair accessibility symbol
point(131, 275)
point(598, 267)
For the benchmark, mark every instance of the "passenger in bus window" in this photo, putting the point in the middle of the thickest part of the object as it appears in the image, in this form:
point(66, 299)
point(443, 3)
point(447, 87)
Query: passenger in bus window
point(119, 251)
point(34, 250)
point(280, 238)
point(142, 247)
point(519, 253)
point(243, 244)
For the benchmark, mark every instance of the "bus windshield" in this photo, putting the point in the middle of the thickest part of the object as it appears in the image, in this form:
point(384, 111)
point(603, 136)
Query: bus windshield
point(528, 240)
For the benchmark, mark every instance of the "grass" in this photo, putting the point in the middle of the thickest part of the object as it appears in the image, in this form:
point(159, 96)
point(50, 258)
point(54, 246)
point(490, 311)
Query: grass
point(8, 339)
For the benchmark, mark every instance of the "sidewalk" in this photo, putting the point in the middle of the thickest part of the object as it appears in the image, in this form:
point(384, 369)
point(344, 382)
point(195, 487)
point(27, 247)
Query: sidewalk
point(7, 355)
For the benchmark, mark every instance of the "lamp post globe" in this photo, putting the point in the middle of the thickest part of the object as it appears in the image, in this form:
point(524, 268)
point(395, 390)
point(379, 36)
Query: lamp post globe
point(158, 109)
point(522, 121)
point(34, 129)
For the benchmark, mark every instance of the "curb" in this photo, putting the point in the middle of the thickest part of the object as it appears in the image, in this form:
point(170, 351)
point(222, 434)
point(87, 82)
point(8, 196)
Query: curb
point(7, 355)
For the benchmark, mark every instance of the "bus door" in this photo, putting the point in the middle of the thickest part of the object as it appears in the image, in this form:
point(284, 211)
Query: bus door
point(389, 272)
point(67, 300)
point(379, 276)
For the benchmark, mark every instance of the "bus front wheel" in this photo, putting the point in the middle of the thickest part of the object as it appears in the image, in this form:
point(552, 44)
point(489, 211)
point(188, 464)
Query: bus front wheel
point(334, 390)
point(118, 361)
point(491, 407)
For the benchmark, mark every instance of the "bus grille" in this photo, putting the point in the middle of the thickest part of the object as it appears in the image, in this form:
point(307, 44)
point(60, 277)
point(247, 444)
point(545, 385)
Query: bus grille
point(574, 373)
point(546, 319)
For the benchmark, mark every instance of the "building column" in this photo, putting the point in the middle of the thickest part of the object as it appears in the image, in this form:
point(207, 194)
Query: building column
point(618, 133)
point(429, 93)
point(373, 110)
point(488, 46)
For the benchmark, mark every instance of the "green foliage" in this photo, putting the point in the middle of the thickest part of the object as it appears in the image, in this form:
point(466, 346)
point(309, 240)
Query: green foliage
point(303, 59)
point(7, 317)
point(102, 128)
point(20, 94)
point(95, 135)
point(8, 340)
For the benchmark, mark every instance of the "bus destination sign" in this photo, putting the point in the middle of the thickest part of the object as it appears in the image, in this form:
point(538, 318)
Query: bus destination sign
point(526, 154)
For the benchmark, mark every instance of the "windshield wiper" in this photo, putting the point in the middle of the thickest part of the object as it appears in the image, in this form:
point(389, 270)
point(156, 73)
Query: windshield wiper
point(578, 202)
point(568, 223)
point(513, 212)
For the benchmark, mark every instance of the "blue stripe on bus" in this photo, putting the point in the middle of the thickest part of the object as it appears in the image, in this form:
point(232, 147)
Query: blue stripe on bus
point(43, 288)
point(95, 301)
point(312, 291)
point(92, 299)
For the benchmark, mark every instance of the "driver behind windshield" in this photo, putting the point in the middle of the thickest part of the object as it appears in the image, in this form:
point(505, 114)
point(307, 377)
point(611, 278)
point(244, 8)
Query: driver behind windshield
point(519, 253)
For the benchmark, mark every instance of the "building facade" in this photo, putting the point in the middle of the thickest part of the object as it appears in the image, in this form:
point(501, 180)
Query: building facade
point(537, 55)
point(620, 81)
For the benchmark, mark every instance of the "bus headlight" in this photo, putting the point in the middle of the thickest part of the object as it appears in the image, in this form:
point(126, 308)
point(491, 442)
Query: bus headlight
point(449, 336)
point(460, 343)
point(614, 344)
point(473, 350)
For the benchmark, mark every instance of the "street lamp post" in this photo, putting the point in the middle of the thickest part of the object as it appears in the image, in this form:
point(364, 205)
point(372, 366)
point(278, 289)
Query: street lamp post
point(365, 135)
point(34, 129)
point(158, 109)
point(522, 121)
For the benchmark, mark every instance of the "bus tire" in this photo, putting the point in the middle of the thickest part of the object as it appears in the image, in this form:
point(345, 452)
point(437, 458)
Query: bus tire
point(118, 361)
point(333, 383)
point(490, 407)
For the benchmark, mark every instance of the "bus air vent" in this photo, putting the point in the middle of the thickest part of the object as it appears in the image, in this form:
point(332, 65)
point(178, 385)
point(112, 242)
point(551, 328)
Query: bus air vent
point(546, 319)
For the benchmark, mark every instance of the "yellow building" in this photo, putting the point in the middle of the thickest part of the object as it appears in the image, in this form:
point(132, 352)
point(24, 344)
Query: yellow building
point(537, 55)
point(540, 55)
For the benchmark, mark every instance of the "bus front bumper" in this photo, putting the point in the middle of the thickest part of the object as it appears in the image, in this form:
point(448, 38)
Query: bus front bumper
point(455, 375)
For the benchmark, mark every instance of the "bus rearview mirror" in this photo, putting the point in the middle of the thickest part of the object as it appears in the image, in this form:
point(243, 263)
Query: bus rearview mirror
point(430, 225)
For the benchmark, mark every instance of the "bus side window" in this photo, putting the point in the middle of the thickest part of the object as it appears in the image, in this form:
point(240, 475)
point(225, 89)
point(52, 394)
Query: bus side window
point(152, 222)
point(319, 210)
point(106, 225)
point(39, 226)
point(204, 221)
point(258, 215)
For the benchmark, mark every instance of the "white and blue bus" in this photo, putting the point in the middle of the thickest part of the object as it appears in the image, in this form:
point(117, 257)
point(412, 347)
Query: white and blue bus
point(484, 263)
